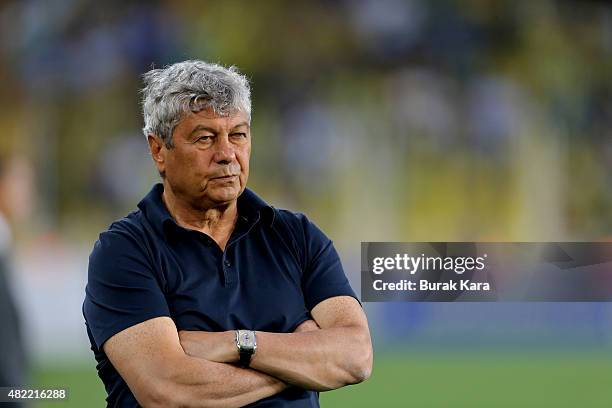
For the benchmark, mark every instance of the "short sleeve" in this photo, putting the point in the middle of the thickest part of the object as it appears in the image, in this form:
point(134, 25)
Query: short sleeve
point(122, 288)
point(323, 275)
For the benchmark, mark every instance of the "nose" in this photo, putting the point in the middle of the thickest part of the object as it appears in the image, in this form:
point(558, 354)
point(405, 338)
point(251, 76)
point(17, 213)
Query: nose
point(224, 150)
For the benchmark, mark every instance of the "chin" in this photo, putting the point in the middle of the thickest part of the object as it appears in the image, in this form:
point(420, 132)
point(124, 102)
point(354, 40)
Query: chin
point(226, 196)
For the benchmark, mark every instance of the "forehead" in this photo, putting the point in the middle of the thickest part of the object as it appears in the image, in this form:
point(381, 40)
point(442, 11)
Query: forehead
point(209, 119)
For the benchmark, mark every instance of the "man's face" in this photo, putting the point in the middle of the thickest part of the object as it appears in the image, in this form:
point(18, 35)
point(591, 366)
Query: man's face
point(208, 164)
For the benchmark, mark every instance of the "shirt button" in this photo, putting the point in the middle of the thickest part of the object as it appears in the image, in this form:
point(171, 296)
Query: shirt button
point(227, 264)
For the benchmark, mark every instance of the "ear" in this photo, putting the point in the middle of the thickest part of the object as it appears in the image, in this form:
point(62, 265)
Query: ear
point(158, 152)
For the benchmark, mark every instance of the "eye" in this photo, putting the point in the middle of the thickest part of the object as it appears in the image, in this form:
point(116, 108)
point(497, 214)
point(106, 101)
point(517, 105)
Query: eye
point(203, 139)
point(239, 136)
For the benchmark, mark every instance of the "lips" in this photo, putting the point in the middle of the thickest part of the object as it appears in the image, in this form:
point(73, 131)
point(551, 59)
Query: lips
point(225, 177)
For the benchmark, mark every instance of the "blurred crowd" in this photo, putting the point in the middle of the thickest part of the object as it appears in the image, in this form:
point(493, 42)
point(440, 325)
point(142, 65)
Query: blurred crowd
point(460, 119)
point(388, 120)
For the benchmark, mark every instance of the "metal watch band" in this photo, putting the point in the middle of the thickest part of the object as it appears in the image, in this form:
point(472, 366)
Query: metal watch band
point(245, 351)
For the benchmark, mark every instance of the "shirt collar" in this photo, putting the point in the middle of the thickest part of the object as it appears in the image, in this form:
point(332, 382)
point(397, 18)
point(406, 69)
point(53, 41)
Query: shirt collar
point(251, 208)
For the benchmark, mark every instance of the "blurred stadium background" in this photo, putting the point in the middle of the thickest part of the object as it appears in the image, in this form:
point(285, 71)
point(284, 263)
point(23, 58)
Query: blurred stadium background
point(383, 120)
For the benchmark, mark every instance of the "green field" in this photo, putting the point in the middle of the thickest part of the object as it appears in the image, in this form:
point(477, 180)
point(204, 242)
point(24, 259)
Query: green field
point(488, 379)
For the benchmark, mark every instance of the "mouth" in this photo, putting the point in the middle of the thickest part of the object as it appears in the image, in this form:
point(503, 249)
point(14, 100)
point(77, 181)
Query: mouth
point(224, 178)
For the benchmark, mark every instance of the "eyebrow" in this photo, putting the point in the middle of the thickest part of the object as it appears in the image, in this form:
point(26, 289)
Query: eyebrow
point(201, 127)
point(211, 130)
point(241, 124)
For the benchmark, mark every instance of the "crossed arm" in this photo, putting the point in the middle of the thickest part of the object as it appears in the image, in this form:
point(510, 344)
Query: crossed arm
point(165, 368)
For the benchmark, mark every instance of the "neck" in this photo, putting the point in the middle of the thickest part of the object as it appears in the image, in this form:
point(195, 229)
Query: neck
point(216, 221)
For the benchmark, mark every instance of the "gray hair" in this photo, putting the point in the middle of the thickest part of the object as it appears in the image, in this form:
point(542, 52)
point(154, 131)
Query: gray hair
point(191, 86)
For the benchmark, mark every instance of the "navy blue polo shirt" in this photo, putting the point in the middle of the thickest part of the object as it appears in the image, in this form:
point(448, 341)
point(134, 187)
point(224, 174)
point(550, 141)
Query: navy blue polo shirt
point(277, 265)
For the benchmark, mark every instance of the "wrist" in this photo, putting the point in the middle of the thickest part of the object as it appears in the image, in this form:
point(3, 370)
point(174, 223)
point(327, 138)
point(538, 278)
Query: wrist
point(232, 354)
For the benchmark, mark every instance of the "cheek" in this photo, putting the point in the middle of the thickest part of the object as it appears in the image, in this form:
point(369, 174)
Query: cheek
point(183, 164)
point(243, 159)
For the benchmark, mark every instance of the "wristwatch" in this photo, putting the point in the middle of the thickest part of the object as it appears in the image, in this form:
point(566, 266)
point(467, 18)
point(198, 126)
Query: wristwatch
point(246, 341)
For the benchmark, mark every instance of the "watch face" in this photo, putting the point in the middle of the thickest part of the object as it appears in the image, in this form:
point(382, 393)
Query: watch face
point(246, 339)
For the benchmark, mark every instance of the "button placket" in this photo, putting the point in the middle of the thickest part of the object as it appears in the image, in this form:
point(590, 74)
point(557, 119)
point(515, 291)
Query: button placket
point(229, 272)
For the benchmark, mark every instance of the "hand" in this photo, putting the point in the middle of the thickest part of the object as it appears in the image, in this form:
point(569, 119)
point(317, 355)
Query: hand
point(213, 346)
point(306, 326)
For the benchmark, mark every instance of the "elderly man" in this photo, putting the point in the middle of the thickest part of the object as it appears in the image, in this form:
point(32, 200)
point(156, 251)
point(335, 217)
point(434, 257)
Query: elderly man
point(206, 296)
